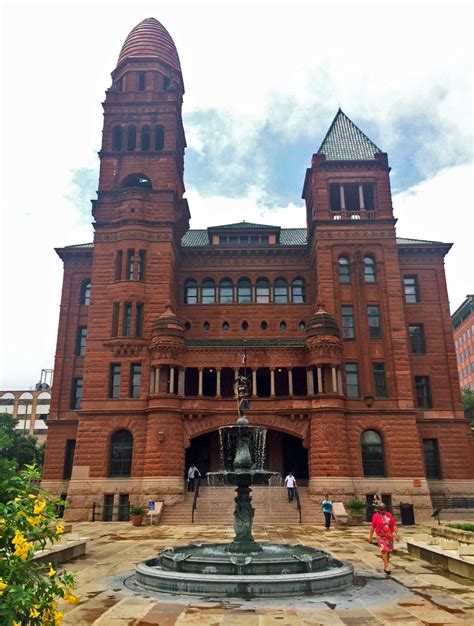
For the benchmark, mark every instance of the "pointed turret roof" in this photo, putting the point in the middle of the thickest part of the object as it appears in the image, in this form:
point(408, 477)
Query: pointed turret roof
point(344, 141)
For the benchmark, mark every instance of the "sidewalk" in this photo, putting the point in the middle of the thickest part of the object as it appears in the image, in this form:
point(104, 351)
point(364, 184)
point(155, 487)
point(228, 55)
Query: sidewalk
point(424, 596)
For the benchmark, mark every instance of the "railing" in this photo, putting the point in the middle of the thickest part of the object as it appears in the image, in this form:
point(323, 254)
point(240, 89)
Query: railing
point(452, 502)
point(197, 483)
point(298, 503)
point(110, 513)
point(358, 214)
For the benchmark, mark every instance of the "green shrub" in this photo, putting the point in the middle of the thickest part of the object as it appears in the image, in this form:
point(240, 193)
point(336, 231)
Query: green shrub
point(29, 591)
point(469, 526)
point(355, 506)
point(136, 509)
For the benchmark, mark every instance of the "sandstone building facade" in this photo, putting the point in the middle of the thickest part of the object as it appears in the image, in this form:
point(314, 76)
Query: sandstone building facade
point(346, 327)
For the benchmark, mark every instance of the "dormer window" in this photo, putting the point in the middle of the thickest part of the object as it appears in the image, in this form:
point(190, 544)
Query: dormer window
point(351, 196)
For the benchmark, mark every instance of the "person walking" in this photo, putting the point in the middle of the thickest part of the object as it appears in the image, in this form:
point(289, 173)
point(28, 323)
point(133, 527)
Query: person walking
point(290, 484)
point(326, 505)
point(193, 473)
point(384, 526)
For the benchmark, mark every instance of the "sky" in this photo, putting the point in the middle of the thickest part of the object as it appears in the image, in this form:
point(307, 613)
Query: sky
point(263, 83)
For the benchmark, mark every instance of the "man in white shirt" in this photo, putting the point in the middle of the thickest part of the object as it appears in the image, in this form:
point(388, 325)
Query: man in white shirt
point(290, 484)
point(193, 473)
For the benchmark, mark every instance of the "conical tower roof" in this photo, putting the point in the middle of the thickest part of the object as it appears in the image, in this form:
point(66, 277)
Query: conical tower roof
point(150, 39)
point(344, 141)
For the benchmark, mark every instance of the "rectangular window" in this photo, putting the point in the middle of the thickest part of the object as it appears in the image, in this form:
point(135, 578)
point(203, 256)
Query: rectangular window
point(368, 191)
point(141, 265)
point(352, 380)
point(81, 340)
point(127, 320)
point(115, 318)
point(118, 265)
point(130, 264)
point(348, 330)
point(108, 508)
point(335, 197)
point(135, 379)
point(431, 456)
point(417, 338)
point(423, 393)
point(380, 381)
point(141, 81)
point(114, 380)
point(139, 321)
point(410, 285)
point(123, 507)
point(375, 328)
point(76, 393)
point(69, 458)
point(223, 240)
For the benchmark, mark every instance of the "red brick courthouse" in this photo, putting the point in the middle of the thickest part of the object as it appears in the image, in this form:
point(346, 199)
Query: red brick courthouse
point(347, 327)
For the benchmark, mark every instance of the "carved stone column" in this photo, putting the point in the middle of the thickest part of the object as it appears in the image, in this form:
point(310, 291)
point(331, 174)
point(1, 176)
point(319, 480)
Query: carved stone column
point(200, 382)
point(272, 382)
point(290, 381)
point(310, 382)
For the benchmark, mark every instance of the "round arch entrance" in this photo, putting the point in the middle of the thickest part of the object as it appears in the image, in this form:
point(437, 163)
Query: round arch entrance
point(284, 453)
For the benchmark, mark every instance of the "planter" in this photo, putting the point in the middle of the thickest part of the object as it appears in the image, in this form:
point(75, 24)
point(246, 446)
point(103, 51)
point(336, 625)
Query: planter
point(355, 519)
point(136, 519)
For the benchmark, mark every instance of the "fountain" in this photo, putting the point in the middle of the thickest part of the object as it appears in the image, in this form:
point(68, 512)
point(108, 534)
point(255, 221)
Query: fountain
point(243, 568)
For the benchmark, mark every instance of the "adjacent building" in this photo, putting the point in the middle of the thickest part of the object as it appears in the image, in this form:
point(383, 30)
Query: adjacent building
point(463, 327)
point(346, 328)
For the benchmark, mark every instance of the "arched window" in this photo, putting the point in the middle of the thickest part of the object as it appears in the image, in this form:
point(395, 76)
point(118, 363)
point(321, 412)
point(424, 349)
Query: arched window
point(372, 453)
point(369, 270)
point(145, 142)
point(121, 450)
point(117, 138)
point(226, 291)
point(280, 291)
point(136, 180)
point(208, 292)
point(190, 292)
point(344, 270)
point(85, 298)
point(244, 291)
point(263, 291)
point(131, 138)
point(159, 138)
point(298, 291)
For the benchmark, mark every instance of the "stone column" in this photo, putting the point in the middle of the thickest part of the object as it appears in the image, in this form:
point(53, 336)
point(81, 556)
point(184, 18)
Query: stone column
point(181, 374)
point(310, 382)
point(218, 382)
point(152, 380)
point(254, 383)
point(290, 381)
point(272, 382)
point(361, 197)
point(320, 379)
point(200, 382)
point(334, 379)
point(171, 387)
point(339, 381)
point(157, 380)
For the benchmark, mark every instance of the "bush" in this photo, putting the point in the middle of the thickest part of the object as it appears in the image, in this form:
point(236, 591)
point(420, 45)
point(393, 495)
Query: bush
point(463, 526)
point(355, 506)
point(29, 591)
point(136, 509)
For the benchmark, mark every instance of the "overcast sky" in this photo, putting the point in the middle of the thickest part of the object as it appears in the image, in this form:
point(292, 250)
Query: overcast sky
point(263, 82)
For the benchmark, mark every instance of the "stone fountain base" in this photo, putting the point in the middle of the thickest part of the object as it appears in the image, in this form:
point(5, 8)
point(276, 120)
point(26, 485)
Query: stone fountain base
point(273, 570)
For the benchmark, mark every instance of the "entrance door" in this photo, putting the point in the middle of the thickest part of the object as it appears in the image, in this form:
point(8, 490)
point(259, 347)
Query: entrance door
point(295, 458)
point(199, 453)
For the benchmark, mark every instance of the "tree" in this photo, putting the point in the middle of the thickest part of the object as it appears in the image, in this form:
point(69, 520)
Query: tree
point(17, 450)
point(467, 396)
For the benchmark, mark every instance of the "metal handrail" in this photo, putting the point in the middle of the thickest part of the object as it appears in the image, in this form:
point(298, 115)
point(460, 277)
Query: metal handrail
point(196, 496)
point(298, 503)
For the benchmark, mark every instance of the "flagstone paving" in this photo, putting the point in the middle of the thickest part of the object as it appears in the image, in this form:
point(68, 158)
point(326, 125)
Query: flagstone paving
point(415, 593)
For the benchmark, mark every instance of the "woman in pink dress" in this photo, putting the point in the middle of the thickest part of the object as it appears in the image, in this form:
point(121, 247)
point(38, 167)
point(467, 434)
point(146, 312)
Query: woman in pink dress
point(384, 526)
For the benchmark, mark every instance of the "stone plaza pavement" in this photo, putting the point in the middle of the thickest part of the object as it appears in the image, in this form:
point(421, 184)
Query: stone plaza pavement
point(415, 593)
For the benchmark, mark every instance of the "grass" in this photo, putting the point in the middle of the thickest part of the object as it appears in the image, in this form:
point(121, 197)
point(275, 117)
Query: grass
point(465, 526)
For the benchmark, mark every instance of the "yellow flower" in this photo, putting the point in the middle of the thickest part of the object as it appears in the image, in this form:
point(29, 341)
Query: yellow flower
point(2, 586)
point(59, 529)
point(58, 616)
point(32, 496)
point(70, 598)
point(39, 507)
point(16, 623)
point(34, 613)
point(17, 499)
point(22, 547)
point(52, 571)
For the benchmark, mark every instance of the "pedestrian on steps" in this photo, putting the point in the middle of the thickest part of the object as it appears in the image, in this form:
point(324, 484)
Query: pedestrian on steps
point(326, 505)
point(290, 484)
point(193, 473)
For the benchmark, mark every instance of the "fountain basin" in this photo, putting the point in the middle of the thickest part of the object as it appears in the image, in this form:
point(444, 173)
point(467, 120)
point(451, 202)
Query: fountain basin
point(273, 569)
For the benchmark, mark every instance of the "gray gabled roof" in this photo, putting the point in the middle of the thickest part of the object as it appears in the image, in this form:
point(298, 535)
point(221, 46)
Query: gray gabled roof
point(344, 141)
point(288, 236)
point(242, 226)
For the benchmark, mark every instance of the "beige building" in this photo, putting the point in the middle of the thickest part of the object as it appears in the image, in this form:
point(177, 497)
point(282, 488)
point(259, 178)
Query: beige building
point(30, 408)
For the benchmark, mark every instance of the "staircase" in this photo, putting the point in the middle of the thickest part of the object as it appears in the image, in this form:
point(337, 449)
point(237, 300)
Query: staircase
point(215, 505)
